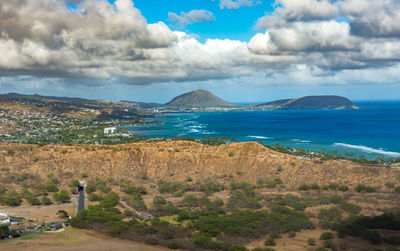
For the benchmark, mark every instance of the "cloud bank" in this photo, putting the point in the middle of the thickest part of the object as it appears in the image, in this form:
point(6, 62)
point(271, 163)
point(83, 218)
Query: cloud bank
point(308, 40)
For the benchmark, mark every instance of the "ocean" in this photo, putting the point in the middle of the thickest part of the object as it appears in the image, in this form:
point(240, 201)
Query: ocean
point(372, 131)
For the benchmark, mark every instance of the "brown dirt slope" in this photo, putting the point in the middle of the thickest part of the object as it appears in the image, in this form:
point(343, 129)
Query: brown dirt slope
point(180, 159)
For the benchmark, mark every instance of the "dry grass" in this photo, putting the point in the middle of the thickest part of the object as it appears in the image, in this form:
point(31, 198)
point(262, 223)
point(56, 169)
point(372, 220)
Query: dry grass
point(74, 239)
point(250, 160)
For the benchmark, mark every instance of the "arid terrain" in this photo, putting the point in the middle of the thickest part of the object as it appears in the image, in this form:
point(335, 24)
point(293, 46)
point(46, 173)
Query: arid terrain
point(145, 164)
point(178, 160)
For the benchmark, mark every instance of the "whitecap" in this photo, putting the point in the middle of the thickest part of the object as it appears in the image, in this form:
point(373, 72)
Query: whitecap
point(368, 149)
point(301, 140)
point(259, 137)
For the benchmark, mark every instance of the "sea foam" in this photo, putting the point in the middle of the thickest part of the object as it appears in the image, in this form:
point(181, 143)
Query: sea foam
point(301, 140)
point(368, 149)
point(259, 137)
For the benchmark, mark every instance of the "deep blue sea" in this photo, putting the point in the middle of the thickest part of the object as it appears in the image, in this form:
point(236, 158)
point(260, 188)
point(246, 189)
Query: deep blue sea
point(373, 130)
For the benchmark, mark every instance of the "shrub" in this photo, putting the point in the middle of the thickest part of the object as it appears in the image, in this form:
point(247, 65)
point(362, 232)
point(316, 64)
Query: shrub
point(2, 189)
point(189, 201)
point(329, 218)
point(234, 247)
point(127, 213)
point(343, 188)
point(211, 186)
point(304, 187)
point(33, 201)
point(250, 224)
point(138, 204)
point(110, 200)
point(333, 186)
point(165, 186)
point(73, 190)
point(30, 198)
point(363, 226)
point(62, 196)
point(240, 199)
point(46, 201)
point(326, 236)
point(330, 244)
point(84, 175)
point(51, 187)
point(350, 208)
point(296, 203)
point(240, 185)
point(62, 214)
point(270, 242)
point(204, 241)
point(311, 242)
point(315, 186)
point(151, 241)
point(132, 190)
point(116, 229)
point(91, 188)
point(389, 185)
point(144, 176)
point(104, 188)
point(292, 234)
point(397, 189)
point(366, 189)
point(159, 201)
point(393, 240)
point(11, 198)
point(95, 197)
point(74, 183)
point(52, 178)
point(275, 235)
point(173, 245)
point(166, 234)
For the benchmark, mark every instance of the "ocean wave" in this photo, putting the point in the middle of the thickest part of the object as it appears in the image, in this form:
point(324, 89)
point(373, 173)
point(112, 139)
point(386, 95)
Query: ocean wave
point(197, 126)
point(368, 149)
point(301, 140)
point(259, 137)
point(208, 132)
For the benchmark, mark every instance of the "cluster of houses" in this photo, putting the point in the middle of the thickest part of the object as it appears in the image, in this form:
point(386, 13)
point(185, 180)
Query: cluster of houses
point(5, 219)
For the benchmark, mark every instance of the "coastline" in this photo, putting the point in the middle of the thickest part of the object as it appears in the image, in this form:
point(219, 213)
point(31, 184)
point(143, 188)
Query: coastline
point(354, 135)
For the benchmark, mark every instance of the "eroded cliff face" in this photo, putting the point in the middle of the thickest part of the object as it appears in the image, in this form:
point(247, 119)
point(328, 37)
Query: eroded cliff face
point(180, 159)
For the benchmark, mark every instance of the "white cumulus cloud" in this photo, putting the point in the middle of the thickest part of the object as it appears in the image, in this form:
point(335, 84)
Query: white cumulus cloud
point(236, 4)
point(194, 16)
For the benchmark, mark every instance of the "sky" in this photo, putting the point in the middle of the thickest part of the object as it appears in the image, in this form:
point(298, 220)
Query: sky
point(243, 51)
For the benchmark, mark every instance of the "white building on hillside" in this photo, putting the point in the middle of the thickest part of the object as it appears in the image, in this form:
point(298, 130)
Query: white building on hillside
point(110, 130)
point(4, 219)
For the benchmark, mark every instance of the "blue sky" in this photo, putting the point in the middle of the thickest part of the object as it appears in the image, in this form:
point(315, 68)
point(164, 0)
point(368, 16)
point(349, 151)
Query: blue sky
point(230, 23)
point(242, 50)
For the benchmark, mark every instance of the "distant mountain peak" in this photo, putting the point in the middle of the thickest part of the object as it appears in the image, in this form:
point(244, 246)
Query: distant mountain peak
point(324, 102)
point(200, 99)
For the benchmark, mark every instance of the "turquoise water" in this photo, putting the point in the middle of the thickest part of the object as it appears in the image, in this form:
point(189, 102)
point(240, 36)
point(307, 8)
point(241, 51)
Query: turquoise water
point(373, 130)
